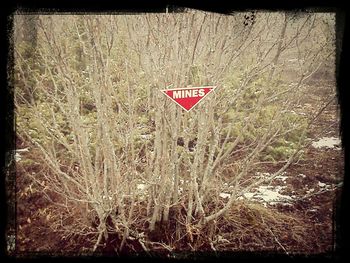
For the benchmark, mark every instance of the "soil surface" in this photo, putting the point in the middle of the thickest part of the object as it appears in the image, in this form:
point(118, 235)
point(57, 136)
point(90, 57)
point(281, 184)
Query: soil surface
point(314, 182)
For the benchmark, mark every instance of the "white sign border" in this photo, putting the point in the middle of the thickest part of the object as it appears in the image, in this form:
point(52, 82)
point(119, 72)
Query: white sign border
point(188, 88)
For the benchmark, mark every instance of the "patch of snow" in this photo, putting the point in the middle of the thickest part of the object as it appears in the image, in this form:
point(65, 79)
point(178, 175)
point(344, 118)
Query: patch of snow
point(22, 150)
point(281, 177)
point(321, 184)
point(266, 174)
point(302, 175)
point(268, 194)
point(224, 195)
point(327, 142)
point(17, 157)
point(248, 195)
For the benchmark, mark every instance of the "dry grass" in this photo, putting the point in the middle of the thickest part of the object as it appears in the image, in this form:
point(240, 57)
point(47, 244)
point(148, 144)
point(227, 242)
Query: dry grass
point(255, 227)
point(245, 227)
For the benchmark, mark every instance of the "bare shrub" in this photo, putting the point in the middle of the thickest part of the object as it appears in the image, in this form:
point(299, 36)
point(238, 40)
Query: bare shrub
point(110, 138)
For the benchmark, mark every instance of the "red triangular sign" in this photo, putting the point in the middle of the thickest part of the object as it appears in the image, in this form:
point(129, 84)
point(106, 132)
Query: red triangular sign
point(187, 98)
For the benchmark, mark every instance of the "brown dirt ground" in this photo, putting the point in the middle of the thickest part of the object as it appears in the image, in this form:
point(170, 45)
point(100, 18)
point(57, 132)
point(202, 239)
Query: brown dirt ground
point(35, 235)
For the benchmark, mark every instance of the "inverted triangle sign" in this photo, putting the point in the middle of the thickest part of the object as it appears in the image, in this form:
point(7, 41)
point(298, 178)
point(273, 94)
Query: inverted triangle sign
point(187, 98)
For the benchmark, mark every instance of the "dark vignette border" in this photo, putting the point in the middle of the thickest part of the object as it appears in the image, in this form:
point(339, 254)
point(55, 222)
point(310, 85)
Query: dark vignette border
point(8, 183)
